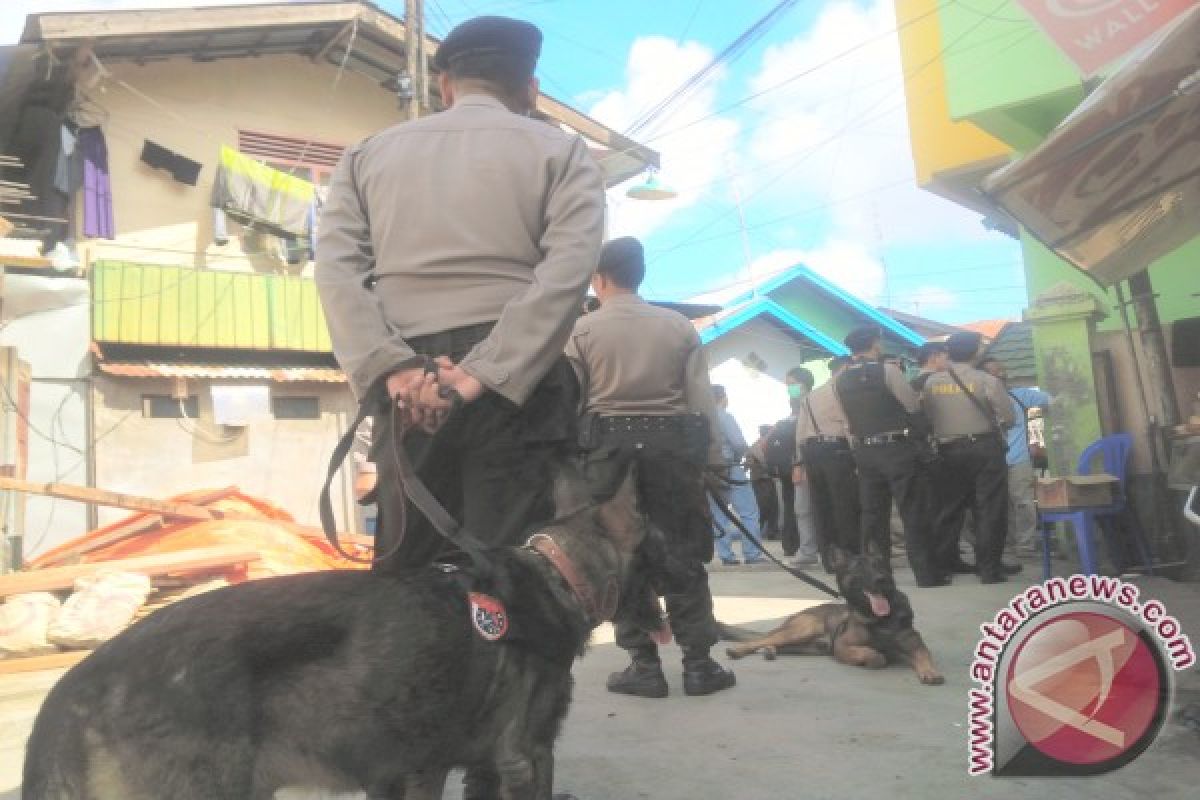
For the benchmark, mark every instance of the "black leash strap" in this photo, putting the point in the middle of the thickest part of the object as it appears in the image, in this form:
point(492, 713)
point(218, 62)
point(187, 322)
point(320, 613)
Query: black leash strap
point(414, 488)
point(795, 571)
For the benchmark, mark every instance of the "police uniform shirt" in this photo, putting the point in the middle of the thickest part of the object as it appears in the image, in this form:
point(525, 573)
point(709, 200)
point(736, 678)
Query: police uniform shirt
point(469, 216)
point(826, 418)
point(952, 413)
point(635, 358)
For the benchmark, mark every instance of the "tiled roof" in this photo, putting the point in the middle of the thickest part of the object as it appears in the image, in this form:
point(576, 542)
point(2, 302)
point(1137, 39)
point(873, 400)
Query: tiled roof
point(1013, 345)
point(990, 328)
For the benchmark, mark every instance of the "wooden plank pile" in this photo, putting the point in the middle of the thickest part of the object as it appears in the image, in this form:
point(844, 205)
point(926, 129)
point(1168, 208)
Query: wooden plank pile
point(174, 575)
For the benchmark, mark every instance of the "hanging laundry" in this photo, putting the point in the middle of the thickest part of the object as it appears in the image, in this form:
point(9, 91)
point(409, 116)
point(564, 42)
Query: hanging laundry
point(97, 189)
point(182, 169)
point(261, 197)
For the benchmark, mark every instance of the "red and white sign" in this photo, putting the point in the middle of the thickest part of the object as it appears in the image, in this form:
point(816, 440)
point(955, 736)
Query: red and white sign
point(1094, 33)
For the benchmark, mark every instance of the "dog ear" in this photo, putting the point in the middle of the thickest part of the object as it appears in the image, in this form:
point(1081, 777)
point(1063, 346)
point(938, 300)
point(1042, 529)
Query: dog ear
point(620, 516)
point(571, 491)
point(838, 558)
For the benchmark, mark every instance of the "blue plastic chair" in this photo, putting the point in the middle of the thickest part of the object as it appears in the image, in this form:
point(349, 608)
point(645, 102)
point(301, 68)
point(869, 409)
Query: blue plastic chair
point(1113, 453)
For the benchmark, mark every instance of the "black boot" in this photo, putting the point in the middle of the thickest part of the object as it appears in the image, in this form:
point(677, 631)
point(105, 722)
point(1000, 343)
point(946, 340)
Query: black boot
point(642, 678)
point(702, 675)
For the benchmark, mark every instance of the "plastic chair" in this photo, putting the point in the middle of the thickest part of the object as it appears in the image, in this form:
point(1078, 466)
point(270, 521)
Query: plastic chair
point(1113, 452)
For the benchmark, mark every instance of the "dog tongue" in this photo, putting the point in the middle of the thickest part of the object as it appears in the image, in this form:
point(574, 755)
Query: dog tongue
point(662, 634)
point(879, 605)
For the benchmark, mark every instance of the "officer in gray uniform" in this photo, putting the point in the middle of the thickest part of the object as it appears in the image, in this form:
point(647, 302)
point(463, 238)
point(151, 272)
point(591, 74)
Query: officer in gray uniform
point(468, 237)
point(648, 404)
point(826, 464)
point(969, 409)
point(884, 415)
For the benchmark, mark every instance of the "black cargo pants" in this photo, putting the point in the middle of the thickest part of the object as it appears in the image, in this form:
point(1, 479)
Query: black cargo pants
point(893, 471)
point(671, 495)
point(975, 477)
point(492, 465)
point(833, 487)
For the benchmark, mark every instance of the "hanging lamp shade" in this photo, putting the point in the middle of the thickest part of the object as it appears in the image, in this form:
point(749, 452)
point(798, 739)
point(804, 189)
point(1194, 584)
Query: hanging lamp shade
point(651, 190)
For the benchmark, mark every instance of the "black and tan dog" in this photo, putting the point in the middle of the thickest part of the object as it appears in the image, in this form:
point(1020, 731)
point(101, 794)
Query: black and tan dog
point(345, 680)
point(873, 627)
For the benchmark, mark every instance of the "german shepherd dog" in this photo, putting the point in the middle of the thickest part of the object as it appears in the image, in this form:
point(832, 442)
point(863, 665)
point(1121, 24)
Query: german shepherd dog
point(345, 680)
point(873, 627)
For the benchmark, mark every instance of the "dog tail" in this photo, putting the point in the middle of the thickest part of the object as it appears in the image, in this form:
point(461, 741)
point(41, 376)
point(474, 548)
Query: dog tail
point(55, 756)
point(735, 633)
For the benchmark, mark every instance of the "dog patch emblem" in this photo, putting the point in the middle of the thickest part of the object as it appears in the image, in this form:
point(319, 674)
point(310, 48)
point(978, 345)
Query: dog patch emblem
point(489, 616)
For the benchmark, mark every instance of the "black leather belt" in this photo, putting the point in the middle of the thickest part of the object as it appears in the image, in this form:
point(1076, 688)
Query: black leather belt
point(650, 423)
point(833, 440)
point(969, 438)
point(884, 438)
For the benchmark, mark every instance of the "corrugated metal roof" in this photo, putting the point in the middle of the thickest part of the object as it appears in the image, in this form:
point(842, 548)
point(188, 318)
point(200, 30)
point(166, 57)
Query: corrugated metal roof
point(275, 374)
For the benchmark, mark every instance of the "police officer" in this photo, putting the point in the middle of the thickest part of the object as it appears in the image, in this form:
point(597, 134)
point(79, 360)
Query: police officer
point(931, 357)
point(649, 404)
point(467, 237)
point(826, 466)
point(969, 409)
point(883, 414)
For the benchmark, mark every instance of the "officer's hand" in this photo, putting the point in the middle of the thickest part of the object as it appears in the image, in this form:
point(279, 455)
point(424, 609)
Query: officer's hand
point(799, 476)
point(403, 386)
point(455, 377)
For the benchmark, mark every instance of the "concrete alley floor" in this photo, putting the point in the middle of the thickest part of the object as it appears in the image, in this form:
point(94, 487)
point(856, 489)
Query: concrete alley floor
point(798, 727)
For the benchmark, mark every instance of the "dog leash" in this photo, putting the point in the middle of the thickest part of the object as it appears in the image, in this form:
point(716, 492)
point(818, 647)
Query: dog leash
point(794, 571)
point(414, 488)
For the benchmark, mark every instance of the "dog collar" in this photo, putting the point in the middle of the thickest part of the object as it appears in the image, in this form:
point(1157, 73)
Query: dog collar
point(597, 606)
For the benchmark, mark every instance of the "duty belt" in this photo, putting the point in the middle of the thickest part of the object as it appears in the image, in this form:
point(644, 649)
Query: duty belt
point(968, 438)
point(883, 438)
point(650, 423)
point(834, 440)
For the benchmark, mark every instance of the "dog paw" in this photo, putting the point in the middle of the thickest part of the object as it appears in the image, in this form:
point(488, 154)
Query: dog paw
point(769, 653)
point(931, 678)
point(734, 654)
point(875, 661)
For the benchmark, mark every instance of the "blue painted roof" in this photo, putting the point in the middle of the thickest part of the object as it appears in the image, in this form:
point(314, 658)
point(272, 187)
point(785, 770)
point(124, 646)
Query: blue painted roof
point(756, 301)
point(763, 305)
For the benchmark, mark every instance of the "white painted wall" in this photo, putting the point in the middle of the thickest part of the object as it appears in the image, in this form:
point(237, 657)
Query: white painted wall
point(46, 320)
point(756, 398)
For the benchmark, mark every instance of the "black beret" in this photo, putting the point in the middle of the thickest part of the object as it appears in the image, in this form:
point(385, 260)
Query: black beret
point(491, 35)
point(862, 338)
point(962, 346)
point(616, 252)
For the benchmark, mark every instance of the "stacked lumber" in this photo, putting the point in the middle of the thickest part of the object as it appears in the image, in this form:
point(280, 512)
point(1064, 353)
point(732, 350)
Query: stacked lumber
point(185, 545)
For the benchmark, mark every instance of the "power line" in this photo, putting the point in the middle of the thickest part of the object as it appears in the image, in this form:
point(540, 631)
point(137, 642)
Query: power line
point(846, 127)
point(732, 52)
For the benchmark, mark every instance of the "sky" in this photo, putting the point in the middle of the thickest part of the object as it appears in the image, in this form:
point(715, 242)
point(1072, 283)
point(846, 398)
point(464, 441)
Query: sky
point(796, 152)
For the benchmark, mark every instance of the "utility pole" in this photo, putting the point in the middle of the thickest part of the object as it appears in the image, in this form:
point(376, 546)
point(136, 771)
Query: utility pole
point(414, 54)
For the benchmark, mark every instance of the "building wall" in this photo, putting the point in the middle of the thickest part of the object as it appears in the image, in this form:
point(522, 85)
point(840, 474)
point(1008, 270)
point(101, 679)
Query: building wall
point(46, 320)
point(282, 461)
point(1003, 72)
point(193, 108)
point(939, 143)
point(756, 397)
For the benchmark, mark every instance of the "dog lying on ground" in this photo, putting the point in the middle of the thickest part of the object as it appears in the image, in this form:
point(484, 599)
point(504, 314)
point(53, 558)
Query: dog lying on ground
point(345, 680)
point(874, 626)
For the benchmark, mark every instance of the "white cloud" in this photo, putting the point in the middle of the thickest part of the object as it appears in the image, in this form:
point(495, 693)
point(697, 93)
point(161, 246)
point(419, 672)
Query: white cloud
point(849, 264)
point(838, 134)
point(693, 159)
point(928, 299)
point(13, 12)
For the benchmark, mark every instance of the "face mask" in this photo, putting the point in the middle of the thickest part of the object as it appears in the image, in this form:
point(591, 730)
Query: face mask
point(795, 390)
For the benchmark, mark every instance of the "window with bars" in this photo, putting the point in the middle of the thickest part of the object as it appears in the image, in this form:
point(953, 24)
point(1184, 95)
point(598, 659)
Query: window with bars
point(305, 158)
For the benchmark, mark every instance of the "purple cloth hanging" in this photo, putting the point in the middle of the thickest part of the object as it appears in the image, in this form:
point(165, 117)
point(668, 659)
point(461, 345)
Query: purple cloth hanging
point(97, 190)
